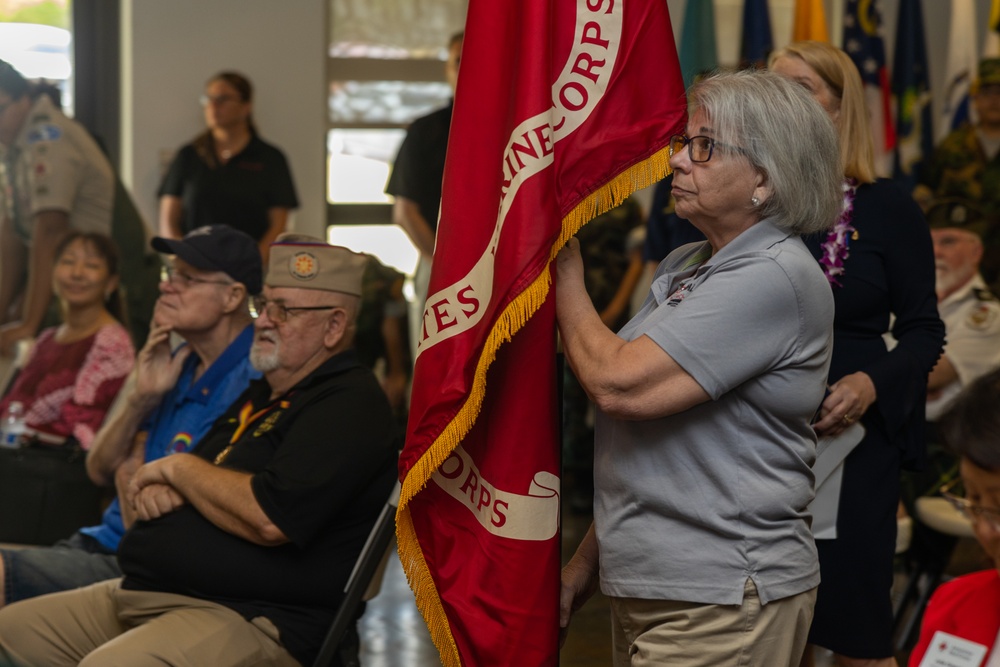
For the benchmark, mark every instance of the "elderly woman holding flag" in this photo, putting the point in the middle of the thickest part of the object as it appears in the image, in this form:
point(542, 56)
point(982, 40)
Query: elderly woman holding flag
point(703, 439)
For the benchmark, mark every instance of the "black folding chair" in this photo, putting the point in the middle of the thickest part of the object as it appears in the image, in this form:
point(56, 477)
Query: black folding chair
point(365, 579)
point(945, 526)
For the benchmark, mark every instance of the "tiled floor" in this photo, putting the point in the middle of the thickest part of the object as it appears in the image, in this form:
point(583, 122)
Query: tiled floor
point(393, 633)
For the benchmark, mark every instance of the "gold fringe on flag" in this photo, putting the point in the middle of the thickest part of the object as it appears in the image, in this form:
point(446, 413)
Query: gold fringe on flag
point(640, 175)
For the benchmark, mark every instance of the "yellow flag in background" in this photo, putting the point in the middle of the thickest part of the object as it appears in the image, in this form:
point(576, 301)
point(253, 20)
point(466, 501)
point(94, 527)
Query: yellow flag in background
point(810, 21)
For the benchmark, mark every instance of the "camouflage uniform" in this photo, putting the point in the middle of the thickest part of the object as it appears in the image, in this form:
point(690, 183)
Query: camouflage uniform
point(959, 171)
point(959, 168)
point(603, 244)
point(380, 298)
point(605, 255)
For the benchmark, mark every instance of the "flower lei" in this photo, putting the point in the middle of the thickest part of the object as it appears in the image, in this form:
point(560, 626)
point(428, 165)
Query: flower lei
point(837, 244)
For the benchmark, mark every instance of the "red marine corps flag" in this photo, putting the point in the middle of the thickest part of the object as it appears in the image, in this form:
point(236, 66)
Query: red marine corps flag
point(563, 109)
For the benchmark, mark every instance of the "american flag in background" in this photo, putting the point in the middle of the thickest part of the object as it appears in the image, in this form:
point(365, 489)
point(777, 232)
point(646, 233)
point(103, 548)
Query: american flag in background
point(863, 42)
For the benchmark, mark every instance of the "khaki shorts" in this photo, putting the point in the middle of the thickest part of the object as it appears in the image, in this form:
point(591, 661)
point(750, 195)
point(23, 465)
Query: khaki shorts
point(662, 632)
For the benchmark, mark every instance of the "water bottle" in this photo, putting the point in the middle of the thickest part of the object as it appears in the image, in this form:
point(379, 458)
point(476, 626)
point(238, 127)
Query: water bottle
point(13, 425)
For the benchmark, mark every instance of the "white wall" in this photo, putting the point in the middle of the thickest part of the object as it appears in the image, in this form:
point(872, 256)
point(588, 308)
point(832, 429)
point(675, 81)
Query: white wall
point(169, 49)
point(171, 46)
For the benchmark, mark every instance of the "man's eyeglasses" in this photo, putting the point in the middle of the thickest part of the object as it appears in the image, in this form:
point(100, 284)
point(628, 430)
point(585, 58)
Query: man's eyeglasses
point(950, 239)
point(974, 513)
point(216, 99)
point(276, 311)
point(181, 280)
point(700, 148)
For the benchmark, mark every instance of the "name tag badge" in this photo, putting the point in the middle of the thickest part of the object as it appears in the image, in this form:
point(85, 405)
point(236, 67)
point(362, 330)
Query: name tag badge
point(947, 650)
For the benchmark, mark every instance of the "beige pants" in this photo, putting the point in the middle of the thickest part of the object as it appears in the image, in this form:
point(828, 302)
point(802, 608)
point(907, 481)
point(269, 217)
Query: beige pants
point(661, 632)
point(105, 626)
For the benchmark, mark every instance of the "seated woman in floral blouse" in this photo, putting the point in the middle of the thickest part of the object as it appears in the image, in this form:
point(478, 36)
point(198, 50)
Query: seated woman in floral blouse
point(75, 370)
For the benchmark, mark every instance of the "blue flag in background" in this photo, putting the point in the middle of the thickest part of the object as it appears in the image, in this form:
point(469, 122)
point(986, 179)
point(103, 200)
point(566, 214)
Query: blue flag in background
point(757, 42)
point(698, 53)
point(911, 87)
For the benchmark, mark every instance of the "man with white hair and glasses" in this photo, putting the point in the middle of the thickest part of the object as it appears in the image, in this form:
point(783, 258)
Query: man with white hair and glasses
point(168, 403)
point(970, 312)
point(244, 545)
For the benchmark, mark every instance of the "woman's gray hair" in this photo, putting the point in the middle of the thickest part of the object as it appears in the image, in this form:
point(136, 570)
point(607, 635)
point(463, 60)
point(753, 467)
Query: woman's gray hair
point(785, 135)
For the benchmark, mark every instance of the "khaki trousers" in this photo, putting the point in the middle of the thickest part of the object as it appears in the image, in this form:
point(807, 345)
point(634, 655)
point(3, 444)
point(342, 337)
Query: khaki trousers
point(103, 625)
point(661, 632)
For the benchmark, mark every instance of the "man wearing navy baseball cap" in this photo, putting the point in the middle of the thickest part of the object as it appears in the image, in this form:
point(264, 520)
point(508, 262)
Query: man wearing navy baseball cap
point(217, 248)
point(168, 403)
point(245, 544)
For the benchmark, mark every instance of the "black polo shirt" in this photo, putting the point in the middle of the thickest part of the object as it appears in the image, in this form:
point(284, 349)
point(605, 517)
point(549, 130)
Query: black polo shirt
point(323, 462)
point(238, 193)
point(419, 166)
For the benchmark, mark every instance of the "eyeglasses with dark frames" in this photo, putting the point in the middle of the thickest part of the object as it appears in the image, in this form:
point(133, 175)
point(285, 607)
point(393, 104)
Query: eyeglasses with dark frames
point(974, 513)
point(277, 311)
point(207, 99)
point(700, 148)
point(181, 280)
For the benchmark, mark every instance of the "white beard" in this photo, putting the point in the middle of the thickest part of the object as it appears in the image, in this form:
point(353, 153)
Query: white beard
point(265, 362)
point(948, 280)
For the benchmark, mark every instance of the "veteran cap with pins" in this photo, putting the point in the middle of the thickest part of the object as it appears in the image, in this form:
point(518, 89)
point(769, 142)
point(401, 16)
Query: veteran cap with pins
point(306, 262)
point(989, 72)
point(957, 213)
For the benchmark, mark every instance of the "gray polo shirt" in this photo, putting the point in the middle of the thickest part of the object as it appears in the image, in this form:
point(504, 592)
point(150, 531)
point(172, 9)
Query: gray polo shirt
point(691, 505)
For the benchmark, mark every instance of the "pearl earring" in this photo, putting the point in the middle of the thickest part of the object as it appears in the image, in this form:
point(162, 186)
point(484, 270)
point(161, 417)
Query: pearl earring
point(754, 201)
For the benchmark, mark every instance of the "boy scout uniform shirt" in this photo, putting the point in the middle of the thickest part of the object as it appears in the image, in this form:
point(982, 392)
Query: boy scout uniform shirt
point(972, 322)
point(55, 165)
